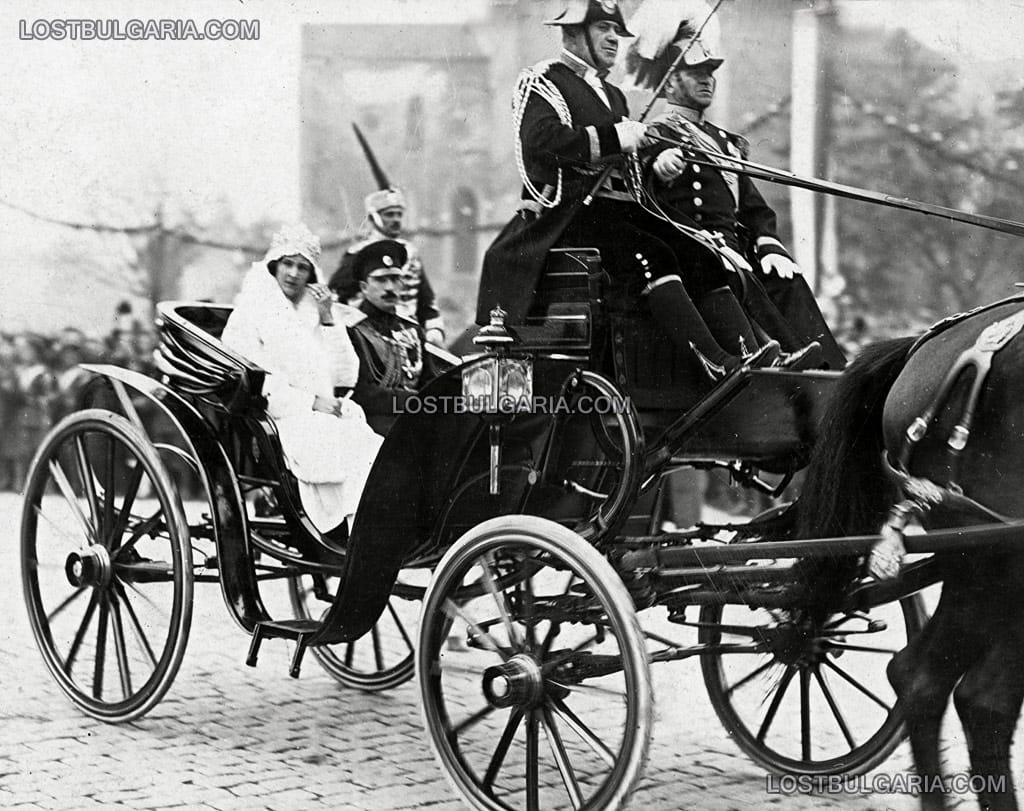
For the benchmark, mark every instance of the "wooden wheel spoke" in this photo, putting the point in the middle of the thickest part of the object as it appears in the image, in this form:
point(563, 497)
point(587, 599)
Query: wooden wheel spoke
point(585, 733)
point(101, 647)
point(120, 523)
point(83, 627)
point(139, 531)
point(108, 493)
point(401, 627)
point(350, 653)
point(58, 528)
point(753, 674)
point(139, 631)
point(501, 750)
point(50, 617)
point(561, 757)
point(549, 637)
point(532, 763)
point(805, 714)
point(590, 688)
point(453, 610)
point(120, 648)
point(856, 684)
point(472, 720)
point(61, 478)
point(499, 599)
point(378, 653)
point(834, 707)
point(773, 708)
point(86, 476)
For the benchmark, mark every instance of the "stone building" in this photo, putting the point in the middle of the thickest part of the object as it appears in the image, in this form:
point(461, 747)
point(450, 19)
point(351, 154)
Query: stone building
point(435, 103)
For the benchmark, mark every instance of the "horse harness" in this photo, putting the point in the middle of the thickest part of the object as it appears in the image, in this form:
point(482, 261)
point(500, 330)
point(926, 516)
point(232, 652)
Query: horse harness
point(922, 495)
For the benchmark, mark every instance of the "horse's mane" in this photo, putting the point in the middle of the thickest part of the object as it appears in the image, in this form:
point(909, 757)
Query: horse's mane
point(845, 490)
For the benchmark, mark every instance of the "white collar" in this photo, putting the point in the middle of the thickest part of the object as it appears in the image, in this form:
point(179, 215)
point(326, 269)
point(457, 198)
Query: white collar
point(581, 68)
point(690, 114)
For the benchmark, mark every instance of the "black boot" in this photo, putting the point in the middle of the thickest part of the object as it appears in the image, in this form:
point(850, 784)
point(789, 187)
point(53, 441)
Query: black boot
point(727, 322)
point(679, 318)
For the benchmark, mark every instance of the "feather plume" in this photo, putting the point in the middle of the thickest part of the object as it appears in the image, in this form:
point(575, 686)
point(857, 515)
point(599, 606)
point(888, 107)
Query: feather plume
point(659, 24)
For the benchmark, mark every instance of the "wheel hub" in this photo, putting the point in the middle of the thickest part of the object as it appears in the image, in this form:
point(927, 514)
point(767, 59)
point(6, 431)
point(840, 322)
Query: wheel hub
point(794, 644)
point(89, 567)
point(516, 683)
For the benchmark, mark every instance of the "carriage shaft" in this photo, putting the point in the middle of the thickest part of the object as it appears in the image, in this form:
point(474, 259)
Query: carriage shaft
point(942, 540)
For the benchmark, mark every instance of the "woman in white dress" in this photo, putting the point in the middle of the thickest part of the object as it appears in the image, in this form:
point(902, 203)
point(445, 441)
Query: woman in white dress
point(287, 323)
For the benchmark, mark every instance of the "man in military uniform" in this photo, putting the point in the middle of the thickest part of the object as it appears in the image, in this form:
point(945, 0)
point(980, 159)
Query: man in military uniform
point(393, 364)
point(726, 205)
point(571, 124)
point(385, 218)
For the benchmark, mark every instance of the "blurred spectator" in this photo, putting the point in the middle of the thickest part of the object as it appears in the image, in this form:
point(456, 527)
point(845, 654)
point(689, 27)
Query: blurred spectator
point(33, 404)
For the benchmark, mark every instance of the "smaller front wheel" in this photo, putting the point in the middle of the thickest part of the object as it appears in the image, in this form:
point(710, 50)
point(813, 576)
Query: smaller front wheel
point(807, 696)
point(550, 704)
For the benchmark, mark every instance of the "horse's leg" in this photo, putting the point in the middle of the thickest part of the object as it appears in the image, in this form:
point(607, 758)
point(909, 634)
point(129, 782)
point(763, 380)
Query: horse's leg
point(923, 675)
point(988, 701)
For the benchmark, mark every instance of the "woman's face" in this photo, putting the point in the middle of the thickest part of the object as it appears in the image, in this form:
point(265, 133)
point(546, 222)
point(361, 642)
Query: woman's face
point(292, 273)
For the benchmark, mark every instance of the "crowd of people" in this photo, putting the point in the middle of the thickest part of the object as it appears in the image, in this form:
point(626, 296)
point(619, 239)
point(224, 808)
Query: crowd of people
point(41, 378)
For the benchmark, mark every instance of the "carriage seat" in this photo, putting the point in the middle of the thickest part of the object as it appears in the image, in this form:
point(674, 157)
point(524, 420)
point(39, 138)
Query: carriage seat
point(195, 361)
point(563, 318)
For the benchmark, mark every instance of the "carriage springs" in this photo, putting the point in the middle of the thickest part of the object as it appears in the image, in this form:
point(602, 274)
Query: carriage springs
point(463, 404)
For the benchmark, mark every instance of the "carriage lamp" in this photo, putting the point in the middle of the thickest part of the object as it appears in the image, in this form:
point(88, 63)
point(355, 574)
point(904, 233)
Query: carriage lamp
point(497, 383)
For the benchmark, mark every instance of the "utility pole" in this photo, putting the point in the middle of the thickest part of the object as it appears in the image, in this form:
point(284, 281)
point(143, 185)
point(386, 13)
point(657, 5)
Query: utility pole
point(811, 124)
point(157, 269)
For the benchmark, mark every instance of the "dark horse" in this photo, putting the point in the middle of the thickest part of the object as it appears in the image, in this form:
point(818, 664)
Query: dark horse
point(973, 645)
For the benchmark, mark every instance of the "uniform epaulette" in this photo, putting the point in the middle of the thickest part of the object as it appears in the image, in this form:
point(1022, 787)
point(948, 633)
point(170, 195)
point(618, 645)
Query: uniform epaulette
point(542, 67)
point(737, 140)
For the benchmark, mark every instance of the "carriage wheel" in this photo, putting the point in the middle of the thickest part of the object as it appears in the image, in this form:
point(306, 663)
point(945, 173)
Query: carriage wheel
point(811, 697)
point(106, 565)
point(550, 706)
point(382, 658)
point(608, 483)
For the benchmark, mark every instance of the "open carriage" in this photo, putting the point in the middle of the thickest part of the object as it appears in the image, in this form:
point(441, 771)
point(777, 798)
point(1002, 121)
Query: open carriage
point(514, 510)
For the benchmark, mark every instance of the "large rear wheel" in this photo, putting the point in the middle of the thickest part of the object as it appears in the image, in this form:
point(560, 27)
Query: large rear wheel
point(106, 565)
point(550, 706)
point(805, 696)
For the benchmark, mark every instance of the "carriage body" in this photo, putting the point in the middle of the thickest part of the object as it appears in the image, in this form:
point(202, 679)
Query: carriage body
point(547, 512)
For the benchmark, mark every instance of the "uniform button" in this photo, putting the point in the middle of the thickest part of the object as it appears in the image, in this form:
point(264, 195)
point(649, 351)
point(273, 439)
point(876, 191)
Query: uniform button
point(696, 170)
point(722, 133)
point(697, 201)
point(696, 185)
point(698, 216)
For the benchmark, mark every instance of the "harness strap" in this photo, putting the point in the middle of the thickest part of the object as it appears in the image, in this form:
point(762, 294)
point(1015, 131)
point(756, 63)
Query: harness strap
point(976, 358)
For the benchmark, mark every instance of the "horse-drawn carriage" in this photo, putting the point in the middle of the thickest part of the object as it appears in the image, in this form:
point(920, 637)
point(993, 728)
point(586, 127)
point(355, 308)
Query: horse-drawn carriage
point(518, 503)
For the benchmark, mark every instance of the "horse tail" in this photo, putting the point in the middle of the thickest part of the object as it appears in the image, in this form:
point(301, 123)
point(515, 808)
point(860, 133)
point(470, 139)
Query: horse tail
point(845, 490)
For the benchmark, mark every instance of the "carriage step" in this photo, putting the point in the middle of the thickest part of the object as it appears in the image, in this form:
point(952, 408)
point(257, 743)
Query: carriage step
point(299, 630)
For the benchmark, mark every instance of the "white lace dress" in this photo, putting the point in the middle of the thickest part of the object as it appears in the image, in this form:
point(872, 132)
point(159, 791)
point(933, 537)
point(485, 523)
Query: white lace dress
point(330, 456)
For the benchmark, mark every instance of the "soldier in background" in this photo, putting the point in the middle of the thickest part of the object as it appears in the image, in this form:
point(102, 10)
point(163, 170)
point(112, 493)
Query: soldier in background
point(385, 219)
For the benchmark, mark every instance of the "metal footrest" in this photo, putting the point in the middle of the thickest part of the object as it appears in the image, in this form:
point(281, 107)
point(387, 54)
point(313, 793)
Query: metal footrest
point(299, 630)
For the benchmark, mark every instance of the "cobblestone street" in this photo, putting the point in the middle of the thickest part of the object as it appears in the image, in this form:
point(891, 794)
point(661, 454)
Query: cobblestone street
point(228, 736)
